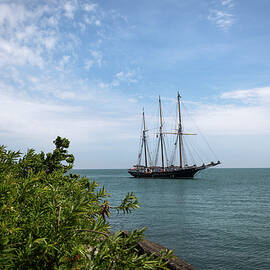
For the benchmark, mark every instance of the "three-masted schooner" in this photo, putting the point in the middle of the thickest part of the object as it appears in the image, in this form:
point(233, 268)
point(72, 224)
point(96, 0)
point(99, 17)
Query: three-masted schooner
point(172, 171)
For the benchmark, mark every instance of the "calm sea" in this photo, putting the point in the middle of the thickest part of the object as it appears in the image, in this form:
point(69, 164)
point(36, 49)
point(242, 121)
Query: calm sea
point(219, 220)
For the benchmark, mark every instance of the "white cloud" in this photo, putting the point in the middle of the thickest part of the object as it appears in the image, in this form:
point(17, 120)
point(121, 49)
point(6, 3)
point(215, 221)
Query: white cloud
point(69, 8)
point(27, 34)
point(50, 42)
point(12, 14)
point(22, 37)
point(30, 35)
point(103, 85)
point(97, 23)
point(92, 20)
point(250, 116)
point(133, 100)
point(65, 60)
point(222, 14)
point(234, 120)
point(33, 79)
point(66, 95)
point(88, 64)
point(41, 53)
point(119, 75)
point(255, 95)
point(130, 77)
point(90, 7)
point(17, 111)
point(228, 3)
point(124, 77)
point(97, 56)
point(15, 54)
point(82, 26)
point(223, 20)
point(52, 21)
point(22, 116)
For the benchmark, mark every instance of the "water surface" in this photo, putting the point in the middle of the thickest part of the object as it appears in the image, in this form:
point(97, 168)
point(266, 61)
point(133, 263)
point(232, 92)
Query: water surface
point(219, 220)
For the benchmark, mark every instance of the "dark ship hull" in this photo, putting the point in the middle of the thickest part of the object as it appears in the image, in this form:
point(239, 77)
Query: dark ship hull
point(168, 172)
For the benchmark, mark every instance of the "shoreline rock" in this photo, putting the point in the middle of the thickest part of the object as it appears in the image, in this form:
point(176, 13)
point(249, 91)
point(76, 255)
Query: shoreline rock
point(148, 247)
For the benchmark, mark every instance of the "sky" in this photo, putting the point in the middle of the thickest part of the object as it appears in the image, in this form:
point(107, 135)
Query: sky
point(84, 70)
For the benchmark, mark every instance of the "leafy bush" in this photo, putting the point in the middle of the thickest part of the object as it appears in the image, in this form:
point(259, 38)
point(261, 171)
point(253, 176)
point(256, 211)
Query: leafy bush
point(50, 219)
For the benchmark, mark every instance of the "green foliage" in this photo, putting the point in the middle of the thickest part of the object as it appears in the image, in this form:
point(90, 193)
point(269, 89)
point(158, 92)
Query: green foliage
point(53, 220)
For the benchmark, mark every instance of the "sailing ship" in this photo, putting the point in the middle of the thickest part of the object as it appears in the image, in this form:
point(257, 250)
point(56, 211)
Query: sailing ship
point(182, 170)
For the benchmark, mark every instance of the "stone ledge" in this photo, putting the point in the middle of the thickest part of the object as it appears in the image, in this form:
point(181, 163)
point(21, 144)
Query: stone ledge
point(148, 247)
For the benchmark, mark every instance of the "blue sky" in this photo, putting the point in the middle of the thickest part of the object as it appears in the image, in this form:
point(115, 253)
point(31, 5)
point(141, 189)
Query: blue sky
point(85, 69)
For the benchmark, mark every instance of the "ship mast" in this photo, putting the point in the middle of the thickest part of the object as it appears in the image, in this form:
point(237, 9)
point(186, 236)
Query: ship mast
point(180, 131)
point(161, 134)
point(144, 140)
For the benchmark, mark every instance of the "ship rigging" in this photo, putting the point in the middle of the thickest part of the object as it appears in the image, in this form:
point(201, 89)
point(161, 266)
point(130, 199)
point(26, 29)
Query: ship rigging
point(150, 169)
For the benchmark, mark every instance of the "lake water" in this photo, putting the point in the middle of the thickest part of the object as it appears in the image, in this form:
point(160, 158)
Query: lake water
point(219, 220)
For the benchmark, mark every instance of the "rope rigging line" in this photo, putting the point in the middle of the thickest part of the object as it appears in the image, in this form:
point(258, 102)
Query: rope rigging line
point(187, 147)
point(194, 150)
point(149, 155)
point(157, 151)
point(201, 134)
point(165, 150)
point(140, 145)
point(140, 153)
point(184, 156)
point(173, 140)
point(172, 160)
